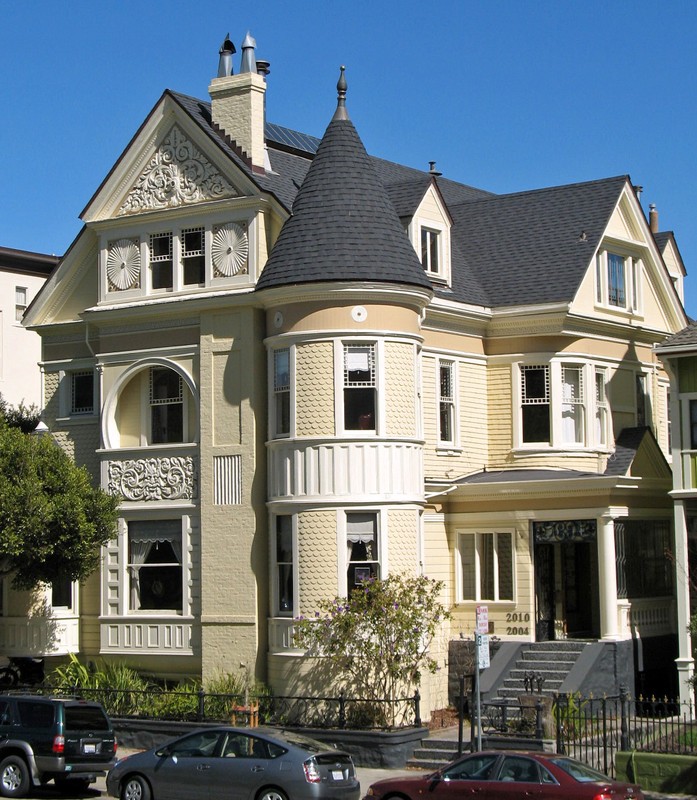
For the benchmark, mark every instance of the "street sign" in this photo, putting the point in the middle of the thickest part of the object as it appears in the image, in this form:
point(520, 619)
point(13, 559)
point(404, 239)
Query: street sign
point(482, 650)
point(482, 619)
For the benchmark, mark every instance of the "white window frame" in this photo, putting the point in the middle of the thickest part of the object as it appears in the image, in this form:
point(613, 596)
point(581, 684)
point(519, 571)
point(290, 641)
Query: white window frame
point(281, 393)
point(560, 402)
point(149, 403)
point(376, 382)
point(124, 552)
point(171, 258)
point(21, 302)
point(275, 564)
point(343, 562)
point(64, 611)
point(601, 413)
point(475, 539)
point(632, 272)
point(191, 254)
point(449, 403)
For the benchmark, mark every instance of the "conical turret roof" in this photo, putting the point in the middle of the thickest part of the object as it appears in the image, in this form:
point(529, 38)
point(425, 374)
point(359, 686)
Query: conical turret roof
point(343, 226)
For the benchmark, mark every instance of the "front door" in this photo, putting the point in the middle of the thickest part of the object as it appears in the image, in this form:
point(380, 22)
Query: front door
point(544, 592)
point(577, 559)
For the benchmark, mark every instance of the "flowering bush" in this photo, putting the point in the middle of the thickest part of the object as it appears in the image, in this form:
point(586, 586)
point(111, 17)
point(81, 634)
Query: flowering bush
point(376, 642)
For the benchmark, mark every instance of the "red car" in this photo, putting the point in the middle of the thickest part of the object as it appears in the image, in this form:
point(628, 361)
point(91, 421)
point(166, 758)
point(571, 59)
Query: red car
point(507, 775)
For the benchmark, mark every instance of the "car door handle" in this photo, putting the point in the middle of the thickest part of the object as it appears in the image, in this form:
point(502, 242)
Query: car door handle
point(257, 768)
point(203, 766)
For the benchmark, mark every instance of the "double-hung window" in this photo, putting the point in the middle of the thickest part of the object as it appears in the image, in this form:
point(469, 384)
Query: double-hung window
point(486, 566)
point(281, 392)
point(166, 406)
point(82, 392)
point(601, 408)
point(62, 593)
point(283, 547)
point(360, 387)
point(573, 408)
point(193, 244)
point(362, 555)
point(161, 261)
point(430, 256)
point(446, 402)
point(618, 281)
point(535, 403)
point(155, 565)
point(20, 302)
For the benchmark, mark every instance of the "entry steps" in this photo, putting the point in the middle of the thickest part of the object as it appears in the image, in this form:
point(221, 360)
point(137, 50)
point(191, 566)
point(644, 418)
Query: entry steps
point(549, 661)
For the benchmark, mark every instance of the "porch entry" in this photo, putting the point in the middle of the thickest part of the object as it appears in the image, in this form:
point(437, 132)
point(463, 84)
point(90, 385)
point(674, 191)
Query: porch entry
point(566, 580)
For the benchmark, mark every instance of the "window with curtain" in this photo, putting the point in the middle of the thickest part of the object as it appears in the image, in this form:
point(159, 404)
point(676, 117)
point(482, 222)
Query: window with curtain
point(155, 565)
point(486, 564)
point(362, 549)
point(359, 387)
point(572, 409)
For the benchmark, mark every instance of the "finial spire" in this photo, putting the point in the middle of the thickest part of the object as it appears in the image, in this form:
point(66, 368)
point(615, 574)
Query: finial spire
point(341, 112)
point(227, 48)
point(249, 62)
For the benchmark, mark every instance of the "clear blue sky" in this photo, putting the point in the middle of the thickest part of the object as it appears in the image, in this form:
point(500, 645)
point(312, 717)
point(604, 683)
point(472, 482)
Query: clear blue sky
point(505, 95)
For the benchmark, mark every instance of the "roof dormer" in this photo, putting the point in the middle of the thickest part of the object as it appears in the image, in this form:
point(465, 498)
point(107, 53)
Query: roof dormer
point(429, 232)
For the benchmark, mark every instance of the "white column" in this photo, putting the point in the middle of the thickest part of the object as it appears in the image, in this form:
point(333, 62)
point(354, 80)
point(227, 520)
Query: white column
point(607, 574)
point(684, 661)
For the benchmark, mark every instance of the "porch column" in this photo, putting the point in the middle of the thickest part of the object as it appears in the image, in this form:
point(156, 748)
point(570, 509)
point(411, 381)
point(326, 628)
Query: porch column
point(684, 661)
point(607, 579)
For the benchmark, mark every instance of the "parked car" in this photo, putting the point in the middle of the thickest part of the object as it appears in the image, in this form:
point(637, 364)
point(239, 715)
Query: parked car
point(507, 775)
point(236, 764)
point(42, 738)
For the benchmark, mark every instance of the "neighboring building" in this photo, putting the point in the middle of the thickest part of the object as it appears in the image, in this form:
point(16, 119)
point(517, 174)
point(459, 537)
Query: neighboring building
point(22, 274)
point(406, 374)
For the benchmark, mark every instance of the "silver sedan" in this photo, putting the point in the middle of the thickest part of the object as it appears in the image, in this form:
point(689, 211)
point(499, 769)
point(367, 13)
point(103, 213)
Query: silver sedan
point(236, 764)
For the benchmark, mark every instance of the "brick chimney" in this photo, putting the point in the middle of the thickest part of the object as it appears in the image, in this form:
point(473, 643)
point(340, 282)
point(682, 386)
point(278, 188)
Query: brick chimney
point(237, 104)
point(653, 218)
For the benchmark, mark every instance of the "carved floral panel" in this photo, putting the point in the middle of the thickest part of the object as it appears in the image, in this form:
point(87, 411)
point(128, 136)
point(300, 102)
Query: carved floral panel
point(178, 174)
point(143, 479)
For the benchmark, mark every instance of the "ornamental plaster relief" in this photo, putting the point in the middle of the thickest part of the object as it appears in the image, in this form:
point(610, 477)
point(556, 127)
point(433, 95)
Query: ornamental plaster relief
point(171, 478)
point(177, 175)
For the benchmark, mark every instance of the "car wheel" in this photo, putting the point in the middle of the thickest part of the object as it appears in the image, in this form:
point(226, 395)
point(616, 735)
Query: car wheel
point(14, 777)
point(135, 787)
point(271, 794)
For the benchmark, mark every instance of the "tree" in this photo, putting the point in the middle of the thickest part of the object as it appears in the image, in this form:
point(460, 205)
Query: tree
point(377, 641)
point(52, 520)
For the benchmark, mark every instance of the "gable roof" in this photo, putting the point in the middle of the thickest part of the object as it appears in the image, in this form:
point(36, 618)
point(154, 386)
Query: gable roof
point(343, 225)
point(531, 247)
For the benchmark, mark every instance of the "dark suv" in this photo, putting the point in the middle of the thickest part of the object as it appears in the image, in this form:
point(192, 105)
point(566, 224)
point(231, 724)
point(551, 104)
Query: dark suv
point(42, 738)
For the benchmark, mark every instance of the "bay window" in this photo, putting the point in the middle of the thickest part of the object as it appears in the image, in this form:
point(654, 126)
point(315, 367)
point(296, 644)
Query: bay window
point(281, 392)
point(601, 408)
point(283, 549)
point(535, 400)
point(572, 410)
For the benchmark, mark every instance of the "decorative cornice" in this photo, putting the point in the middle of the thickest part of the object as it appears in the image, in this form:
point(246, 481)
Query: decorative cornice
point(177, 175)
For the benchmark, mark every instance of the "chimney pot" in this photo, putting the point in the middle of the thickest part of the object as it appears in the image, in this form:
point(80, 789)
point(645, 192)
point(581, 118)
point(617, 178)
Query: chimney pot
point(653, 218)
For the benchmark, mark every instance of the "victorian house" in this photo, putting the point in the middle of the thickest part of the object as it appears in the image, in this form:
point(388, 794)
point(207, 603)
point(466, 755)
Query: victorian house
point(300, 366)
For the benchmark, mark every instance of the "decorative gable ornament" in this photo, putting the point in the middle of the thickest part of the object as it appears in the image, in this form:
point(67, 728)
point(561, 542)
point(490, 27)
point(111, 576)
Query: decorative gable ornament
point(230, 250)
point(123, 265)
point(177, 175)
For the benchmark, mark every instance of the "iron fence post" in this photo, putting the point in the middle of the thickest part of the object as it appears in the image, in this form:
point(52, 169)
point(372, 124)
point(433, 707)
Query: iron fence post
point(417, 709)
point(461, 714)
point(200, 714)
point(562, 703)
point(624, 727)
point(342, 710)
point(539, 731)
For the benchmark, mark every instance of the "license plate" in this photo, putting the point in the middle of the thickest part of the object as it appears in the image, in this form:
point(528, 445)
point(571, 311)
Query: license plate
point(337, 775)
point(89, 748)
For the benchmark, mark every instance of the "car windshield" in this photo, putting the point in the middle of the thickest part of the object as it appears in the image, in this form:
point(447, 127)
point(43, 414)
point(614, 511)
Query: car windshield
point(578, 771)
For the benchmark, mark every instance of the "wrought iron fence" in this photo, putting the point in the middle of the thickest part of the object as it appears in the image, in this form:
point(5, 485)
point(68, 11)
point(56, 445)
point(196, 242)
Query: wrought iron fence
point(594, 729)
point(197, 705)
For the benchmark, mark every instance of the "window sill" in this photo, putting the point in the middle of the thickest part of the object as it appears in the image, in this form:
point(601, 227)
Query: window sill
point(77, 419)
point(472, 604)
point(448, 450)
point(626, 313)
point(567, 450)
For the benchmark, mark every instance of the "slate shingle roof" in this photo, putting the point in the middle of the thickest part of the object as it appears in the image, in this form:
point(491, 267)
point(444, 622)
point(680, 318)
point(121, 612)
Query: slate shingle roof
point(343, 225)
point(513, 249)
point(687, 337)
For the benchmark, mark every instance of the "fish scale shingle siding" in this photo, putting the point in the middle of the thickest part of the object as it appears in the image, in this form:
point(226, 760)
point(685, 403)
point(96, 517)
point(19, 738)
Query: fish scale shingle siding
point(314, 392)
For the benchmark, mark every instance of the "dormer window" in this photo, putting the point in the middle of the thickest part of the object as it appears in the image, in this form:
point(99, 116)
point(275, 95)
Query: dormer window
point(430, 252)
point(618, 281)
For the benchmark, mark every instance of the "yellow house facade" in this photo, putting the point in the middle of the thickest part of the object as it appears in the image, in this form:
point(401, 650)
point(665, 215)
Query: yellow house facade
point(300, 366)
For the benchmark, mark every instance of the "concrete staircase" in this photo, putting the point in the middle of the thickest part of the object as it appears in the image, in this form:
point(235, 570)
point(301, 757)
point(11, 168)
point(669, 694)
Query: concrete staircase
point(438, 750)
point(549, 661)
